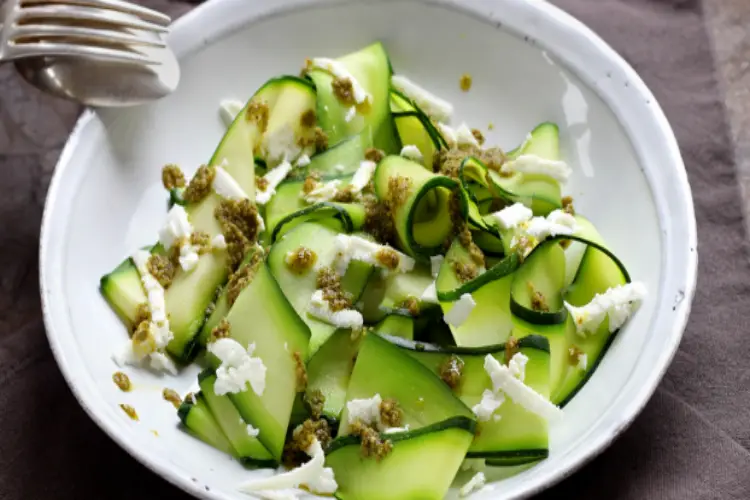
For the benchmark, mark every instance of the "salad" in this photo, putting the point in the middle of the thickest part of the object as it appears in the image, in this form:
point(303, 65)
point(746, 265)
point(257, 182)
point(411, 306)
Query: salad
point(379, 299)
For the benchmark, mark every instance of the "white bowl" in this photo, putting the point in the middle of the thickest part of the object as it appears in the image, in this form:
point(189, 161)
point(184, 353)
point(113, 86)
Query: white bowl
point(530, 62)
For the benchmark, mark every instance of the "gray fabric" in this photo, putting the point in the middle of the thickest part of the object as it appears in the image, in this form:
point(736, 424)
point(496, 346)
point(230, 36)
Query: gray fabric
point(691, 442)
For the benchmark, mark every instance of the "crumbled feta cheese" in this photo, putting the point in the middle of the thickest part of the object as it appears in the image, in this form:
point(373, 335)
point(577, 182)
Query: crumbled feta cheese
point(510, 217)
point(225, 186)
point(338, 70)
point(435, 262)
point(188, 257)
point(302, 161)
point(517, 365)
point(460, 311)
point(351, 248)
point(583, 361)
point(319, 308)
point(464, 137)
point(412, 152)
point(430, 294)
point(229, 109)
point(252, 431)
point(350, 114)
point(274, 178)
point(474, 484)
point(366, 410)
point(219, 242)
point(504, 380)
point(489, 403)
point(323, 191)
point(313, 475)
point(160, 362)
point(556, 223)
point(448, 134)
point(280, 145)
point(177, 226)
point(238, 367)
point(363, 175)
point(532, 164)
point(435, 107)
point(617, 303)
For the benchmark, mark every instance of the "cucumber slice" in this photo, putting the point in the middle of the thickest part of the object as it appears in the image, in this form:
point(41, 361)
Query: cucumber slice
point(421, 465)
point(263, 316)
point(247, 448)
point(198, 421)
point(330, 369)
point(339, 160)
point(299, 288)
point(518, 436)
point(539, 282)
point(371, 68)
point(382, 368)
point(123, 290)
point(423, 219)
point(396, 325)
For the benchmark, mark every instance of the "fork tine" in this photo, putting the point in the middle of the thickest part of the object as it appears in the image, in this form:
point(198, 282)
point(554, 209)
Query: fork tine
point(80, 34)
point(74, 50)
point(78, 13)
point(115, 5)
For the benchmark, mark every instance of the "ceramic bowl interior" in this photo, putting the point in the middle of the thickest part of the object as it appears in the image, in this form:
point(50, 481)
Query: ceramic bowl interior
point(529, 62)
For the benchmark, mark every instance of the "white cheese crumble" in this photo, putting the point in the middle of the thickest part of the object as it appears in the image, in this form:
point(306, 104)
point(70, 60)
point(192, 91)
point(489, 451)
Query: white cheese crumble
point(430, 294)
point(225, 186)
point(351, 248)
point(412, 153)
point(338, 70)
point(188, 257)
point(617, 303)
point(448, 134)
point(532, 164)
point(535, 230)
point(160, 362)
point(504, 380)
point(512, 216)
point(474, 484)
point(435, 107)
point(464, 137)
point(489, 403)
point(302, 161)
point(517, 365)
point(274, 178)
point(435, 262)
point(460, 311)
point(229, 109)
point(280, 145)
point(366, 410)
point(323, 191)
point(177, 226)
point(252, 431)
point(583, 361)
point(319, 308)
point(363, 175)
point(219, 242)
point(313, 475)
point(238, 367)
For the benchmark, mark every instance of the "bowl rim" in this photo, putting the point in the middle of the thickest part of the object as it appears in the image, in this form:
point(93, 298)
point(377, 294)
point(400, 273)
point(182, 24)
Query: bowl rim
point(577, 47)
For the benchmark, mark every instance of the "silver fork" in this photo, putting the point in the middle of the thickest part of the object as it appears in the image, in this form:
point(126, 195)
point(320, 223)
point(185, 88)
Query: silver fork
point(109, 30)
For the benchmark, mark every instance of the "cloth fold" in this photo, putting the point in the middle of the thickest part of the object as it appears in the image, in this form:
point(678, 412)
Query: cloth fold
point(691, 441)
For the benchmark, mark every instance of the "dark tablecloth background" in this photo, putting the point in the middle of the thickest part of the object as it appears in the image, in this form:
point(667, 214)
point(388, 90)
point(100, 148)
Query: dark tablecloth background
point(692, 440)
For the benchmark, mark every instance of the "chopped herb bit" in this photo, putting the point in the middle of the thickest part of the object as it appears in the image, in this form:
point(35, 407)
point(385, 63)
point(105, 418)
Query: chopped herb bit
point(328, 278)
point(122, 381)
point(478, 135)
point(172, 177)
point(390, 413)
point(190, 398)
point(202, 240)
point(466, 240)
point(511, 348)
point(344, 195)
point(372, 445)
point(574, 355)
point(465, 271)
point(129, 411)
point(378, 220)
point(300, 371)
point(258, 112)
point(388, 257)
point(200, 185)
point(411, 304)
point(451, 371)
point(142, 314)
point(242, 277)
point(374, 154)
point(343, 89)
point(319, 139)
point(143, 340)
point(301, 260)
point(567, 205)
point(172, 396)
point(490, 126)
point(220, 331)
point(399, 188)
point(239, 223)
point(302, 437)
point(308, 118)
point(538, 301)
point(311, 182)
point(330, 283)
point(261, 183)
point(315, 402)
point(465, 82)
